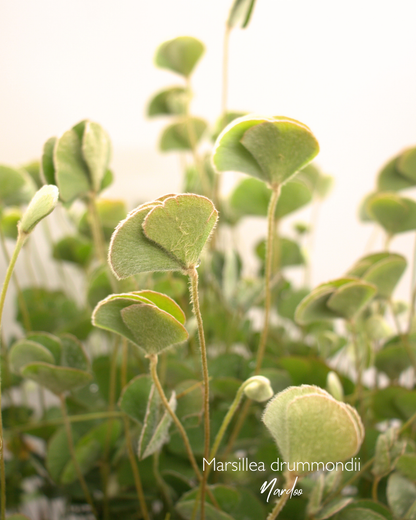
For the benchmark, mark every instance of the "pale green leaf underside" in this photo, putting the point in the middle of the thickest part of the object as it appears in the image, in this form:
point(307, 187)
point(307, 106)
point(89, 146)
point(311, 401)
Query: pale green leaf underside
point(132, 253)
point(56, 379)
point(47, 166)
point(96, 150)
point(401, 496)
point(181, 226)
point(160, 435)
point(137, 319)
point(271, 149)
point(71, 171)
point(351, 298)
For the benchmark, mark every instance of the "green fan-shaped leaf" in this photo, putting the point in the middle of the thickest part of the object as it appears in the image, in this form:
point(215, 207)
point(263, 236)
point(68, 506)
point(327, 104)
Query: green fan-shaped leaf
point(406, 164)
point(180, 54)
point(57, 454)
point(393, 358)
point(96, 151)
point(74, 249)
point(320, 183)
point(271, 149)
point(240, 13)
point(341, 298)
point(172, 101)
point(351, 298)
point(383, 270)
point(56, 379)
point(25, 351)
point(73, 353)
point(42, 204)
point(9, 220)
point(406, 465)
point(16, 186)
point(47, 165)
point(401, 495)
point(287, 252)
point(130, 250)
point(309, 425)
point(388, 450)
point(394, 213)
point(133, 400)
point(140, 321)
point(182, 135)
point(181, 226)
point(71, 172)
point(251, 197)
point(165, 303)
point(223, 121)
point(52, 343)
point(391, 179)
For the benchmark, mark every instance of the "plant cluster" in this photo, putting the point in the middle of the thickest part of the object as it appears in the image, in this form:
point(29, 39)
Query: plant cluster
point(160, 367)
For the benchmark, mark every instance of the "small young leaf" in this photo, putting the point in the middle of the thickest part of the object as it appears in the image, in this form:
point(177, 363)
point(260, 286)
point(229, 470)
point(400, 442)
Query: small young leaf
point(172, 101)
point(240, 13)
point(406, 164)
point(178, 136)
point(391, 179)
point(24, 352)
point(141, 321)
point(47, 164)
point(394, 213)
point(160, 435)
point(272, 149)
point(71, 172)
point(383, 270)
point(96, 151)
point(180, 54)
point(181, 226)
point(56, 379)
point(42, 204)
point(388, 450)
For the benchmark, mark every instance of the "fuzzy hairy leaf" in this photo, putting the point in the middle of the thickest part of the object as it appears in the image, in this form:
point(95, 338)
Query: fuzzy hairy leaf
point(42, 204)
point(56, 379)
point(182, 135)
point(96, 151)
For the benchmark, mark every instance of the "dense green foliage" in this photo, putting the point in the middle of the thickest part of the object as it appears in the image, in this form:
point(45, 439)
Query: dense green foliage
point(161, 363)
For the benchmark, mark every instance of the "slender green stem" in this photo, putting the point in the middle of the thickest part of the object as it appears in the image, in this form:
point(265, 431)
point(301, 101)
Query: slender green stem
point(268, 275)
point(21, 238)
point(74, 457)
point(71, 418)
point(153, 372)
point(20, 298)
point(111, 405)
point(193, 275)
point(130, 452)
point(374, 488)
point(227, 419)
point(193, 141)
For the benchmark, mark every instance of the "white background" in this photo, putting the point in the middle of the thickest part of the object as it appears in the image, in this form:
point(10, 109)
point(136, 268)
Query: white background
point(346, 69)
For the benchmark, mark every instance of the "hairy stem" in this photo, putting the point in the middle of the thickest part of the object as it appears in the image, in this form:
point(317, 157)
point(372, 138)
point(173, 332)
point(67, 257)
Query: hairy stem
point(290, 481)
point(268, 275)
point(130, 452)
point(193, 275)
point(111, 403)
point(78, 471)
point(19, 244)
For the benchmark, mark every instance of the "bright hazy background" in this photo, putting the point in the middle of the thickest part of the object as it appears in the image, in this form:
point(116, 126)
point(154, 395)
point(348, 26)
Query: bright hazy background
point(346, 69)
